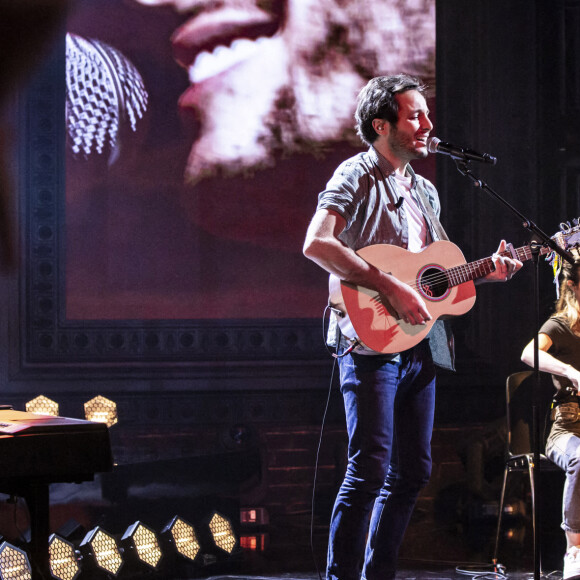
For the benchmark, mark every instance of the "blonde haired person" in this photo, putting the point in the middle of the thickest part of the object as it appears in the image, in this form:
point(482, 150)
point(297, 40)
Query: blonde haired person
point(559, 354)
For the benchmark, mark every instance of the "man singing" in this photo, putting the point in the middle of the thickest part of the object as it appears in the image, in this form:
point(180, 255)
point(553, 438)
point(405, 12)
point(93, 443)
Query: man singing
point(376, 198)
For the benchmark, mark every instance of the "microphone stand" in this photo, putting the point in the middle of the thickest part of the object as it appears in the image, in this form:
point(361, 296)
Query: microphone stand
point(462, 166)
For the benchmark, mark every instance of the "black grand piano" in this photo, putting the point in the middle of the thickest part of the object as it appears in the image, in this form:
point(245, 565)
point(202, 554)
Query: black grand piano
point(37, 450)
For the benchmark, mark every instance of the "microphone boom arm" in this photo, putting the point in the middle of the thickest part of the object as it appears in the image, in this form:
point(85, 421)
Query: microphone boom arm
point(463, 168)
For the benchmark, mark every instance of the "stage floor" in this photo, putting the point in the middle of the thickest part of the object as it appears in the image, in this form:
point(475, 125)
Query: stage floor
point(419, 571)
point(409, 574)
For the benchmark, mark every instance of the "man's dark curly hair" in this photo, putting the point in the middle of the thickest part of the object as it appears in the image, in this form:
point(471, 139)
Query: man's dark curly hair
point(377, 101)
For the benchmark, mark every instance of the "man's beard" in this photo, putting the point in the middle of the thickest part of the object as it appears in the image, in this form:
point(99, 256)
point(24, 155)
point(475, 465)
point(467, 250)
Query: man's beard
point(402, 145)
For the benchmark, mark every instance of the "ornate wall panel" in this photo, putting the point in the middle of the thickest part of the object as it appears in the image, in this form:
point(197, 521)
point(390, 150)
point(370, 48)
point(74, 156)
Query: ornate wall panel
point(49, 342)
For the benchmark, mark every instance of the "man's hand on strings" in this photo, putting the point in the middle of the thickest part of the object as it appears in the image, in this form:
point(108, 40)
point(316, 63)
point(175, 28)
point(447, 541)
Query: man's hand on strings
point(407, 303)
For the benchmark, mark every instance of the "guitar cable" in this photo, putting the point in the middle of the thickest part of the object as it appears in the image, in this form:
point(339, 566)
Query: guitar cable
point(319, 446)
point(353, 345)
point(354, 342)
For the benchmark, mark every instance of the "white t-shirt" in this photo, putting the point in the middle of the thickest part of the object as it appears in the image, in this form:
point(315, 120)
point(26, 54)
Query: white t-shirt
point(415, 219)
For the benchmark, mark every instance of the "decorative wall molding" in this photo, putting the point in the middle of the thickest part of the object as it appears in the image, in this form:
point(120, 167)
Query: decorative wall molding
point(51, 343)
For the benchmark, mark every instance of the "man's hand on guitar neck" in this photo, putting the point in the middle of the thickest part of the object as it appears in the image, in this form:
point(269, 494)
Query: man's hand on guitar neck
point(407, 303)
point(505, 267)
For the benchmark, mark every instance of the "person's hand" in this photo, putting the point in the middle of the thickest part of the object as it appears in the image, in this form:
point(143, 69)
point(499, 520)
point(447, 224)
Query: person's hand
point(505, 268)
point(408, 305)
point(573, 376)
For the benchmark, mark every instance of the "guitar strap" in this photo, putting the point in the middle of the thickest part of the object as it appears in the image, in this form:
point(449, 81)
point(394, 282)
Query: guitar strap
point(435, 223)
point(441, 340)
point(436, 227)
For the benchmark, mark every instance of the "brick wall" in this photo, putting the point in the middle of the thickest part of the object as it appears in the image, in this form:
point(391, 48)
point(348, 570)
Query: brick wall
point(259, 451)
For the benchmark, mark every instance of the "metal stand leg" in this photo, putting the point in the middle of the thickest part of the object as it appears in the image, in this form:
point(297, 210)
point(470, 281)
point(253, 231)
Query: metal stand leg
point(500, 515)
point(535, 523)
point(37, 499)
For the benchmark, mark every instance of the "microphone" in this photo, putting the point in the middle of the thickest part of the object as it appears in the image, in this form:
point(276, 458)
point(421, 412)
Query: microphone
point(104, 94)
point(435, 145)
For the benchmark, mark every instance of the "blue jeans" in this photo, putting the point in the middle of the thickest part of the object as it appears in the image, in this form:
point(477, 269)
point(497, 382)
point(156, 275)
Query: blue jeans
point(389, 417)
point(563, 448)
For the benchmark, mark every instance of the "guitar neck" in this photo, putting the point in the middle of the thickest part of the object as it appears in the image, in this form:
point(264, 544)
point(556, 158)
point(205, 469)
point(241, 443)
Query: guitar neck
point(481, 268)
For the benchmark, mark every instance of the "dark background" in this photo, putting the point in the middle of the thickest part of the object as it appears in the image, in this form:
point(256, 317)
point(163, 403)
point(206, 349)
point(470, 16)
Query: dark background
point(508, 83)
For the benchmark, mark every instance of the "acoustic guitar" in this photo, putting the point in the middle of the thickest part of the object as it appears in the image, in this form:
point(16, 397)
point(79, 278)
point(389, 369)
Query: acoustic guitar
point(440, 275)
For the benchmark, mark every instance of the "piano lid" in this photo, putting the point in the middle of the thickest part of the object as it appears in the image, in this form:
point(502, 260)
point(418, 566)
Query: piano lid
point(20, 422)
point(43, 448)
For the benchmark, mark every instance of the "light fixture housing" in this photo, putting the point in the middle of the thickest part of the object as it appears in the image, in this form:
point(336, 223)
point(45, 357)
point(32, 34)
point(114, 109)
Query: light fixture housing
point(141, 544)
point(222, 532)
point(101, 549)
point(14, 563)
point(63, 558)
point(43, 406)
point(183, 537)
point(101, 410)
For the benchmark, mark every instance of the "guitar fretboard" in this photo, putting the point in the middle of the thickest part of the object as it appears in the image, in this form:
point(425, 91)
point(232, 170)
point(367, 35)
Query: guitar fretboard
point(481, 268)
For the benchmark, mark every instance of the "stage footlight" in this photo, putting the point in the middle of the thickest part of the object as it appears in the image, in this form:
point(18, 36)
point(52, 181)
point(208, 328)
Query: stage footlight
point(254, 542)
point(222, 532)
point(63, 558)
point(254, 516)
point(101, 410)
point(100, 548)
point(43, 406)
point(14, 563)
point(141, 543)
point(183, 537)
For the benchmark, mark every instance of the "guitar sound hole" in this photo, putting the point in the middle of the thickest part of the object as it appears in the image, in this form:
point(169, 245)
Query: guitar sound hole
point(433, 283)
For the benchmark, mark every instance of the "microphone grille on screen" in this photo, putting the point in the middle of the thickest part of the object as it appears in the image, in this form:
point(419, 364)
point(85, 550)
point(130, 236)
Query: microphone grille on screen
point(103, 89)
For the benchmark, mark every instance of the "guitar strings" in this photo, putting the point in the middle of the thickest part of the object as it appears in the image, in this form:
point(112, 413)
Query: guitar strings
point(447, 275)
point(444, 275)
point(456, 271)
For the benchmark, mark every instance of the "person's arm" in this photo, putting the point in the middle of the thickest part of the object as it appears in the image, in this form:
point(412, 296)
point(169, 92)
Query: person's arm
point(549, 363)
point(505, 268)
point(323, 246)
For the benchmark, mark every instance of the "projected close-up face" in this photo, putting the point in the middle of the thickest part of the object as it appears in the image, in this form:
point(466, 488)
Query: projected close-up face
point(272, 78)
point(199, 135)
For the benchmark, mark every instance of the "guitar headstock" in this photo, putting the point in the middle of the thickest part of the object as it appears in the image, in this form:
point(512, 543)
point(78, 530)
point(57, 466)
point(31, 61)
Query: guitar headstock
point(568, 238)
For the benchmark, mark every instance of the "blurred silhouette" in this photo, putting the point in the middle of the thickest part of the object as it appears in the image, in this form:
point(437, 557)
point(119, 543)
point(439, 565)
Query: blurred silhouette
point(26, 28)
